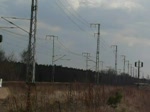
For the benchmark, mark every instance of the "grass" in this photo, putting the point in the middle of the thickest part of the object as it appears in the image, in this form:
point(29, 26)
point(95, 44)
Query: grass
point(76, 97)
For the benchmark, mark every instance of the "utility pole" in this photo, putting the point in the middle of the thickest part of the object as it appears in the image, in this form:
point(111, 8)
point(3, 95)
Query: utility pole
point(116, 50)
point(119, 71)
point(97, 53)
point(124, 63)
point(87, 55)
point(136, 73)
point(32, 43)
point(131, 70)
point(53, 56)
point(30, 76)
point(102, 64)
point(128, 65)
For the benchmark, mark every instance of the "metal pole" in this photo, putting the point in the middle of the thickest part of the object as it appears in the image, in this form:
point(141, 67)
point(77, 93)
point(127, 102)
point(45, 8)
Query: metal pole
point(124, 62)
point(138, 70)
point(87, 55)
point(53, 66)
point(116, 64)
point(116, 50)
point(131, 70)
point(128, 65)
point(97, 54)
point(102, 64)
point(30, 76)
point(53, 57)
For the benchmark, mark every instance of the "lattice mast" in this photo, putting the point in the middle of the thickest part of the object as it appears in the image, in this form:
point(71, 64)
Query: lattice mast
point(30, 76)
point(97, 52)
point(32, 43)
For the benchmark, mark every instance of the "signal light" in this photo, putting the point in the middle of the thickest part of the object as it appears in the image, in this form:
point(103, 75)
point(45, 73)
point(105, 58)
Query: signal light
point(1, 38)
point(141, 64)
point(135, 64)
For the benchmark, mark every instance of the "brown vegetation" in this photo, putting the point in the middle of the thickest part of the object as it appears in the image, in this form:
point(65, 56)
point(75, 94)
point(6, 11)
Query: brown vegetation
point(76, 97)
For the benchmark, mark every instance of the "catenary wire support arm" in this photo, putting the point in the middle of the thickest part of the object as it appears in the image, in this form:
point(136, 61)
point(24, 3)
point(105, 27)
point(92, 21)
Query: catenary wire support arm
point(14, 25)
point(61, 58)
point(7, 27)
point(17, 18)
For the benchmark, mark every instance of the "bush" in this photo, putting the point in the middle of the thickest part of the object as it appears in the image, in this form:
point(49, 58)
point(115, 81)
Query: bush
point(114, 100)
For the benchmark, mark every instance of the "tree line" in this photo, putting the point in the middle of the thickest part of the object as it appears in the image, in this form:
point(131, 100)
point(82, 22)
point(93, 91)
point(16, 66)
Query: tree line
point(10, 70)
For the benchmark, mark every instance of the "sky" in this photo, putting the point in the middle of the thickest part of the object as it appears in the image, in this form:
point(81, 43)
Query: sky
point(125, 23)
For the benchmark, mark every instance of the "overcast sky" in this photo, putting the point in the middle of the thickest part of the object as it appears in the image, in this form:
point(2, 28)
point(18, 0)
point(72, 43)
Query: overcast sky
point(124, 23)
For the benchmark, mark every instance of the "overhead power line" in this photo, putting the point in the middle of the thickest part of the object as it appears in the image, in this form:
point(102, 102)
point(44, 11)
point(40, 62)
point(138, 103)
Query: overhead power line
point(76, 24)
point(76, 14)
point(68, 50)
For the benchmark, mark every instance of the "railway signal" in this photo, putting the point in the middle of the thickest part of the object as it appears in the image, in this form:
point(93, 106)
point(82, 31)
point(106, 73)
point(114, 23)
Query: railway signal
point(138, 64)
point(1, 38)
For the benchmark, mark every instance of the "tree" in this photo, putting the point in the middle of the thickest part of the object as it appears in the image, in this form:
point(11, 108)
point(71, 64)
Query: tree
point(11, 57)
point(2, 55)
point(114, 100)
point(24, 56)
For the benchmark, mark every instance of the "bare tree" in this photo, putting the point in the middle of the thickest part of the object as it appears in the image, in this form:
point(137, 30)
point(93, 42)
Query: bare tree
point(11, 57)
point(2, 55)
point(24, 56)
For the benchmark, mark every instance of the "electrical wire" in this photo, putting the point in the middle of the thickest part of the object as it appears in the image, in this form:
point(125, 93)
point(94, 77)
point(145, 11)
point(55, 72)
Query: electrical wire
point(68, 50)
point(76, 15)
point(65, 10)
point(69, 17)
point(20, 44)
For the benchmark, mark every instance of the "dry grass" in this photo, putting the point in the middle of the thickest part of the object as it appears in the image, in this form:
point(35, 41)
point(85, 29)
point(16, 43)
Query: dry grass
point(76, 97)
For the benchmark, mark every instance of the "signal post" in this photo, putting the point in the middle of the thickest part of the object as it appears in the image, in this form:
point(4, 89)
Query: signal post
point(1, 38)
point(139, 65)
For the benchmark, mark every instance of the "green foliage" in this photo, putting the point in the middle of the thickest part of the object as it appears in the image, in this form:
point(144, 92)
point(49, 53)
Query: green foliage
point(114, 100)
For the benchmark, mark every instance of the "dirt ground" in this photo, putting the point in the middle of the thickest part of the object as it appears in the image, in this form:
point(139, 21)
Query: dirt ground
point(4, 93)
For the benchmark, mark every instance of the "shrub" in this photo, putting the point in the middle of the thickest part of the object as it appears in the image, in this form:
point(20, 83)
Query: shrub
point(114, 100)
